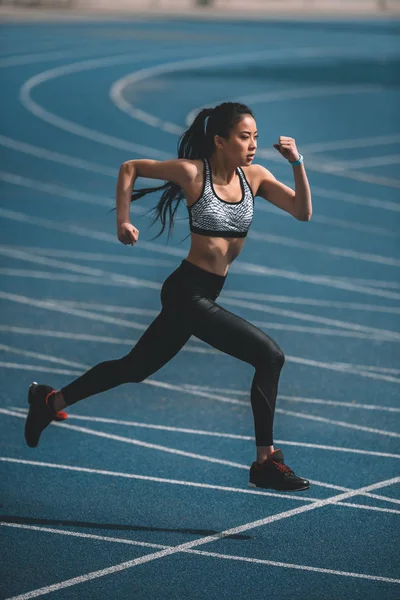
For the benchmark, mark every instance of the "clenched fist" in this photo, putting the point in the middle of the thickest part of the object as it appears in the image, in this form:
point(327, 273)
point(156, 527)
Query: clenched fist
point(127, 233)
point(287, 147)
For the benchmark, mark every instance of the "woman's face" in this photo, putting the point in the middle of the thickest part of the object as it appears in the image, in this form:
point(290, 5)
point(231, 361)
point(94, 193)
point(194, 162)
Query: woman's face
point(241, 146)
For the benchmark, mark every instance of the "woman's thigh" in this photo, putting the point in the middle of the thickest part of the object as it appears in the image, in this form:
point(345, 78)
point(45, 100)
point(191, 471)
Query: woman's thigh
point(161, 341)
point(232, 334)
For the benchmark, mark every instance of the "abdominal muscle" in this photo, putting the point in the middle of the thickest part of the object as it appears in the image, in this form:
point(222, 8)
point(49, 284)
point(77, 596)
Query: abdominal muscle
point(214, 254)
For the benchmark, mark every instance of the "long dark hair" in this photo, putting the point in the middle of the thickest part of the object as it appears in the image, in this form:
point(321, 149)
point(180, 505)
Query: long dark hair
point(195, 143)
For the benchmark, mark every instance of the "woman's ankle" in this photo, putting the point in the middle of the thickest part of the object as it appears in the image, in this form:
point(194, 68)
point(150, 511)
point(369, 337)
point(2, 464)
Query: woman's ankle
point(57, 401)
point(263, 453)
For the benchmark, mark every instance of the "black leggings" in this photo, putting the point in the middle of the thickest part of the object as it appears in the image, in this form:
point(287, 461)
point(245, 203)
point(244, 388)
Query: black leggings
point(188, 308)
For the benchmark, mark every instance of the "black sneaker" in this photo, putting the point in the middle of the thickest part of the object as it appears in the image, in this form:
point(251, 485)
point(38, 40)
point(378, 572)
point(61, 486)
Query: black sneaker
point(274, 474)
point(40, 414)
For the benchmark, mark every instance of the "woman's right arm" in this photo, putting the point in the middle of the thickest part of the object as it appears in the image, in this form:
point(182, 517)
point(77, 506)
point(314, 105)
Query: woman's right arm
point(179, 171)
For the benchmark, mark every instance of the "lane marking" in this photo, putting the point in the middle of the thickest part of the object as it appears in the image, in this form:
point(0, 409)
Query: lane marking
point(190, 551)
point(116, 95)
point(170, 450)
point(75, 128)
point(205, 540)
point(45, 369)
point(324, 249)
point(364, 142)
point(217, 434)
point(243, 268)
point(80, 163)
point(135, 476)
point(266, 325)
point(279, 54)
point(370, 161)
point(138, 282)
point(254, 235)
point(293, 93)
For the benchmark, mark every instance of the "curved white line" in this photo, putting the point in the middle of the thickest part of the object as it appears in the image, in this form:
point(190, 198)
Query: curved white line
point(292, 94)
point(116, 91)
point(116, 95)
point(75, 128)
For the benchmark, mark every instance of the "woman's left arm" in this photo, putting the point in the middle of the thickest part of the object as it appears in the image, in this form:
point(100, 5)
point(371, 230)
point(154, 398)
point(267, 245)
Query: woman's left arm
point(297, 202)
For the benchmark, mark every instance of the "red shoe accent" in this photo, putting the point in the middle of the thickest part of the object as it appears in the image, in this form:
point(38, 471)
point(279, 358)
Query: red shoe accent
point(61, 416)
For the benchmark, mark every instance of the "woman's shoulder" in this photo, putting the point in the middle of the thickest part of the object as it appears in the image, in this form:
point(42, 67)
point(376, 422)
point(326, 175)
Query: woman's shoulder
point(255, 175)
point(194, 167)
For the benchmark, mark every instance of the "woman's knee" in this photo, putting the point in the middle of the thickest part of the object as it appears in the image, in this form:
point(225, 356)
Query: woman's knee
point(271, 357)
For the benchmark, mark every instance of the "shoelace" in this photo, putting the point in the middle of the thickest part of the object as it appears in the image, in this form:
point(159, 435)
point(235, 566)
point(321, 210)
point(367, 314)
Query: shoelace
point(283, 468)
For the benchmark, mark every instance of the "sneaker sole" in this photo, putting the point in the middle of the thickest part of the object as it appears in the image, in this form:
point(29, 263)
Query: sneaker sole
point(253, 485)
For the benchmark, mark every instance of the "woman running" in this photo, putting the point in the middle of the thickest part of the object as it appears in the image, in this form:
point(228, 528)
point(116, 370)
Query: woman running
point(214, 173)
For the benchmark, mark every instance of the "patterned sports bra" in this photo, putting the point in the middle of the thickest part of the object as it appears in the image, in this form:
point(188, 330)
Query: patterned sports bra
point(212, 216)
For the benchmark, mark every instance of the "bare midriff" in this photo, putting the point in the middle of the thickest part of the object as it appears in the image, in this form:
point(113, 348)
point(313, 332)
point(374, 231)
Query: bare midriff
point(214, 254)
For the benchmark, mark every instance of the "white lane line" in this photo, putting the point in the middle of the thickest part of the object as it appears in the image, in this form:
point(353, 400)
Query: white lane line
point(58, 190)
point(299, 399)
point(329, 166)
point(79, 163)
point(38, 368)
point(51, 305)
point(85, 536)
point(97, 257)
point(75, 128)
point(45, 369)
point(197, 552)
point(364, 142)
point(186, 483)
point(170, 450)
point(338, 423)
point(28, 59)
point(232, 436)
point(273, 563)
point(370, 161)
point(328, 222)
point(38, 355)
point(325, 249)
point(66, 335)
point(116, 95)
point(230, 293)
point(71, 127)
point(259, 236)
point(302, 316)
point(313, 301)
point(126, 310)
point(158, 262)
point(209, 539)
point(57, 157)
point(266, 325)
point(356, 199)
point(243, 268)
point(70, 193)
point(136, 282)
point(292, 93)
point(118, 87)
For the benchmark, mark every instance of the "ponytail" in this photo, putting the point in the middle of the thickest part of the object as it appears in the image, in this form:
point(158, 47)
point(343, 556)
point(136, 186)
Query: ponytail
point(197, 142)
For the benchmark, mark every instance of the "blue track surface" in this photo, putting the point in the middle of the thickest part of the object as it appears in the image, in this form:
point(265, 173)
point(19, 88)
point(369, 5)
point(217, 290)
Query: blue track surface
point(139, 471)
